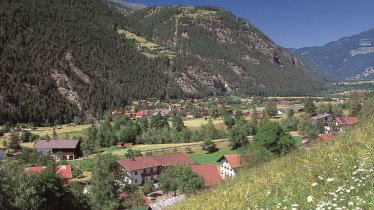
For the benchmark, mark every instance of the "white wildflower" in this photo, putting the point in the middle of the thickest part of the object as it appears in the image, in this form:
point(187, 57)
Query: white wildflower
point(314, 184)
point(348, 190)
point(309, 199)
point(330, 179)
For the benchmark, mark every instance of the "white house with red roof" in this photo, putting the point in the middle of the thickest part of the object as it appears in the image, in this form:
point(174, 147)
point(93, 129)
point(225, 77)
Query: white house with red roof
point(229, 165)
point(342, 123)
point(140, 169)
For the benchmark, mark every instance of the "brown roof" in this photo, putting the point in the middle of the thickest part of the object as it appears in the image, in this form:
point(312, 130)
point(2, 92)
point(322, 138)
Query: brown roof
point(174, 159)
point(233, 159)
point(209, 172)
point(137, 163)
point(56, 144)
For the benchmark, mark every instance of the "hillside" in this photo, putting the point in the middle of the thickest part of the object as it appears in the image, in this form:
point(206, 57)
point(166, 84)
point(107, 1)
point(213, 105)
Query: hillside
point(61, 59)
point(219, 53)
point(352, 58)
point(336, 175)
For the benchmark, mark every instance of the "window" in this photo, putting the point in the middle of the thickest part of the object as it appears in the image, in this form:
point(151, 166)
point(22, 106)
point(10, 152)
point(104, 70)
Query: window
point(136, 181)
point(136, 172)
point(151, 170)
point(144, 171)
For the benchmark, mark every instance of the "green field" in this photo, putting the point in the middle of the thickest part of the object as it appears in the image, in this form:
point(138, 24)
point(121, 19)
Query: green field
point(210, 158)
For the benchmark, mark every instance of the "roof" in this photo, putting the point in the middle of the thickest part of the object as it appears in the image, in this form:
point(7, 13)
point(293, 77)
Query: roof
point(209, 172)
point(132, 164)
point(320, 116)
point(174, 159)
point(233, 159)
point(346, 121)
point(64, 171)
point(56, 144)
point(326, 137)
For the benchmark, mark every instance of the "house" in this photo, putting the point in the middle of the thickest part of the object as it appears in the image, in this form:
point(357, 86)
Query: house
point(140, 169)
point(69, 148)
point(174, 159)
point(209, 172)
point(282, 111)
point(190, 115)
point(64, 171)
point(326, 118)
point(326, 137)
point(229, 165)
point(342, 123)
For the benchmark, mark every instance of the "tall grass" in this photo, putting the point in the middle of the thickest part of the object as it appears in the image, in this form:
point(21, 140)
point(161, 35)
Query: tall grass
point(339, 175)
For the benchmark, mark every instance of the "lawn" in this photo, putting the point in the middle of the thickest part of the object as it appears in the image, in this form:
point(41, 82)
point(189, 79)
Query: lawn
point(210, 158)
point(196, 123)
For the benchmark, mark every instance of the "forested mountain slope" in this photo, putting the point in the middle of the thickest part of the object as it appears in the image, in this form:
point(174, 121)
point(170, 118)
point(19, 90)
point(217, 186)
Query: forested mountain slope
point(331, 175)
point(60, 59)
point(220, 53)
point(350, 58)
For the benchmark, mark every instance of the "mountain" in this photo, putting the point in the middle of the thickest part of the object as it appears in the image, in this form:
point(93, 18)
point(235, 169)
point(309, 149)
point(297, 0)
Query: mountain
point(126, 5)
point(218, 53)
point(350, 58)
point(60, 59)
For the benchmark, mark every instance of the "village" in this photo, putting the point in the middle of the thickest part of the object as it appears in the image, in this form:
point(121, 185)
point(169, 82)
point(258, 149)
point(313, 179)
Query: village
point(141, 167)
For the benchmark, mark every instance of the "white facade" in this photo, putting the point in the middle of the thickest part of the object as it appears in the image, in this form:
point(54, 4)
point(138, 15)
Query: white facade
point(226, 170)
point(138, 177)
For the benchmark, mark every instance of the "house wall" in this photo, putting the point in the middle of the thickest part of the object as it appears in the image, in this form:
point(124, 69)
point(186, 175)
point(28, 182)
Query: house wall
point(225, 169)
point(136, 177)
point(48, 150)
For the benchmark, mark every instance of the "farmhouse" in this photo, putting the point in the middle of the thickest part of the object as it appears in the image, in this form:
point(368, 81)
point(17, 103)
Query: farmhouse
point(327, 120)
point(229, 165)
point(209, 172)
point(64, 171)
point(140, 169)
point(342, 123)
point(69, 148)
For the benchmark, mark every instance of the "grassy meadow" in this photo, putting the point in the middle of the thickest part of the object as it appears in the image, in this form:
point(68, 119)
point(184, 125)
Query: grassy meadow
point(334, 175)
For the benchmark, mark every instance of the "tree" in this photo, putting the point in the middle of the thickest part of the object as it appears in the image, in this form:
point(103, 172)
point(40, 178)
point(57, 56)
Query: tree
point(305, 124)
point(309, 106)
point(229, 121)
point(159, 122)
point(180, 178)
point(354, 107)
point(214, 113)
point(131, 153)
point(177, 123)
point(290, 113)
point(13, 141)
point(103, 193)
point(270, 109)
point(272, 137)
point(238, 136)
point(209, 146)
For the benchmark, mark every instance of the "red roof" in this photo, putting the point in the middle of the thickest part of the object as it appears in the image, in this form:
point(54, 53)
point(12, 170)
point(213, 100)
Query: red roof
point(233, 159)
point(209, 172)
point(132, 164)
point(174, 159)
point(346, 120)
point(326, 137)
point(64, 171)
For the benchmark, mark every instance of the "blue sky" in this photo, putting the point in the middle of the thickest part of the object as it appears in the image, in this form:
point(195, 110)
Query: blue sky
point(295, 23)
